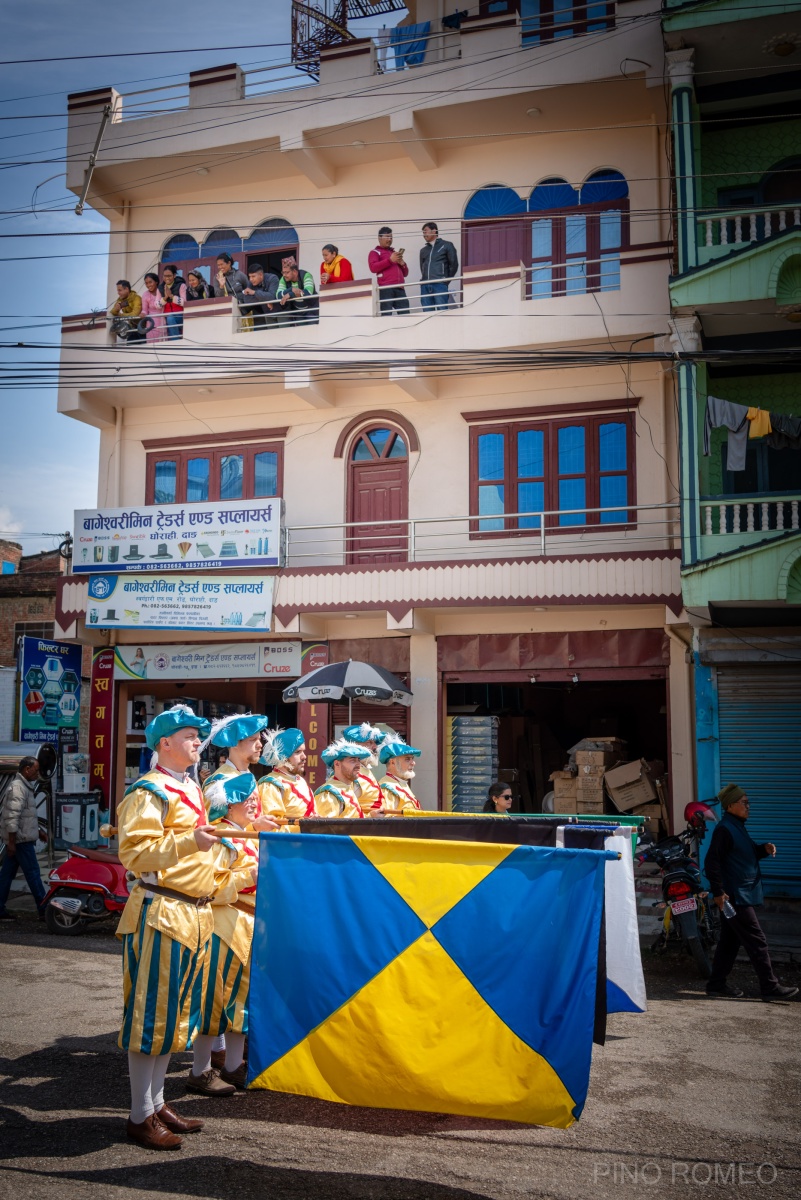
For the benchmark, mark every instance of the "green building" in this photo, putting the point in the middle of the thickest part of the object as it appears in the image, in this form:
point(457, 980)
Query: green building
point(734, 70)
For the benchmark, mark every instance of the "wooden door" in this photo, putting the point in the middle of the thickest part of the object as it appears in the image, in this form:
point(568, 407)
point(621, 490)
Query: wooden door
point(378, 490)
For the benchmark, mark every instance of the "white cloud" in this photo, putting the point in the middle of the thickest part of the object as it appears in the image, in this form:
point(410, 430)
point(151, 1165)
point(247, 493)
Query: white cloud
point(8, 522)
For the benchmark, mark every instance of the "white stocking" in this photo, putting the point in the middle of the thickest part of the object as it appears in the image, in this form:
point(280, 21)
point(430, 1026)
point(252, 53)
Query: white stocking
point(202, 1050)
point(219, 1043)
point(160, 1065)
point(234, 1050)
point(140, 1070)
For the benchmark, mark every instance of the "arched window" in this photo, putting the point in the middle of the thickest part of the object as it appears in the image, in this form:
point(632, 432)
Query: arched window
point(222, 241)
point(495, 200)
point(180, 247)
point(576, 236)
point(271, 241)
point(378, 495)
point(492, 229)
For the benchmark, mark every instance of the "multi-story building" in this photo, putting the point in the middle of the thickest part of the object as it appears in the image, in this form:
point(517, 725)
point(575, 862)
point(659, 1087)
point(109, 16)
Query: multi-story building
point(737, 303)
point(479, 497)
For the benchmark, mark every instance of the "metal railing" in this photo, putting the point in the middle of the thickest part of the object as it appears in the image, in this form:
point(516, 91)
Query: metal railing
point(475, 537)
point(736, 227)
point(750, 514)
point(419, 296)
point(573, 277)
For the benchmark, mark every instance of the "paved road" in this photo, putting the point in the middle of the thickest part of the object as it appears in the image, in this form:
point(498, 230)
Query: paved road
point(687, 1100)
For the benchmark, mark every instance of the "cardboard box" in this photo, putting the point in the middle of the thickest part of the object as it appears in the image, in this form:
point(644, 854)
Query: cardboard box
point(589, 806)
point(648, 810)
point(592, 772)
point(564, 791)
point(630, 785)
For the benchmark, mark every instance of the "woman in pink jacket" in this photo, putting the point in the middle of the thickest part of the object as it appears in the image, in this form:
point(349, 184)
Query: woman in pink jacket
point(151, 307)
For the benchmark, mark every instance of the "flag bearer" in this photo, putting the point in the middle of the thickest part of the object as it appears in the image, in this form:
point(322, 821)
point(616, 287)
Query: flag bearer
point(285, 792)
point(166, 842)
point(366, 785)
point(233, 803)
point(337, 796)
point(398, 760)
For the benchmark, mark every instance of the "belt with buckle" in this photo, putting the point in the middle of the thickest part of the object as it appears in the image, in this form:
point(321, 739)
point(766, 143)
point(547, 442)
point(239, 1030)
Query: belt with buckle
point(171, 894)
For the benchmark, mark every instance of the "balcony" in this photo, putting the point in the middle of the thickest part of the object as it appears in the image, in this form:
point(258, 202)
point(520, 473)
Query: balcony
point(738, 524)
point(724, 232)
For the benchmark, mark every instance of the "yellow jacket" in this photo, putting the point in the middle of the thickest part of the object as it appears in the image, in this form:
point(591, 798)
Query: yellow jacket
point(398, 796)
point(156, 820)
point(368, 791)
point(284, 795)
point(232, 925)
point(333, 799)
point(131, 308)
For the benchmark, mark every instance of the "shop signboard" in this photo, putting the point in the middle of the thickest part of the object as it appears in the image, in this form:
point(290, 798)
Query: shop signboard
point(191, 602)
point(50, 689)
point(231, 660)
point(218, 534)
point(101, 723)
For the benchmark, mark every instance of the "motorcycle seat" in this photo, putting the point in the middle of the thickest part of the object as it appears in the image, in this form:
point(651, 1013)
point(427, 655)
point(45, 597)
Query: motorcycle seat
point(107, 856)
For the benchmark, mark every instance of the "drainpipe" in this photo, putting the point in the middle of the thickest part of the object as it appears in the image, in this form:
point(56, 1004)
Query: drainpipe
point(685, 144)
point(685, 338)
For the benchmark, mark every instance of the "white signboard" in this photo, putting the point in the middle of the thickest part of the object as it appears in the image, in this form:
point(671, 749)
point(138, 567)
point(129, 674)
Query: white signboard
point(221, 603)
point(179, 537)
point(232, 660)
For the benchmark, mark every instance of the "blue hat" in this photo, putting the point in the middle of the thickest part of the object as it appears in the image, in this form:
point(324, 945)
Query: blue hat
point(364, 733)
point(396, 750)
point(180, 716)
point(280, 745)
point(342, 748)
point(234, 729)
point(228, 790)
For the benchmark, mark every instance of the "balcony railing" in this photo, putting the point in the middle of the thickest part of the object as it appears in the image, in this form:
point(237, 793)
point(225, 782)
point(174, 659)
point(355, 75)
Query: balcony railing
point(420, 296)
point(729, 520)
point(722, 231)
point(427, 539)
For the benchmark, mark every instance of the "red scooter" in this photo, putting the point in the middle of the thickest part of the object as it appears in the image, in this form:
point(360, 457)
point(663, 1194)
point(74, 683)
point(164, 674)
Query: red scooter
point(90, 886)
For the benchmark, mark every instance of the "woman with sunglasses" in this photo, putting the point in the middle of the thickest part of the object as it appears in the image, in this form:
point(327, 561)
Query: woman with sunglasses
point(499, 799)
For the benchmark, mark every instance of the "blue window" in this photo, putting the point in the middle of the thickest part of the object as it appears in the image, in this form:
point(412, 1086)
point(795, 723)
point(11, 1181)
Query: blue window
point(166, 474)
point(197, 479)
point(265, 473)
point(579, 251)
point(550, 20)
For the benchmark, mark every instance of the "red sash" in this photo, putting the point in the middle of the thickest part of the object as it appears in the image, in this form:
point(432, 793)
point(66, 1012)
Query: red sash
point(401, 788)
point(248, 891)
point(200, 813)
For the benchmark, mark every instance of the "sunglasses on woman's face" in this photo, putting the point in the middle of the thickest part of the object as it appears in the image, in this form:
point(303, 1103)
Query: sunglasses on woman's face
point(506, 795)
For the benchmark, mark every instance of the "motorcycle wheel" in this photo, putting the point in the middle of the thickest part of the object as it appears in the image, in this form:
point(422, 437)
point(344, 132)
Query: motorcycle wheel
point(62, 923)
point(699, 955)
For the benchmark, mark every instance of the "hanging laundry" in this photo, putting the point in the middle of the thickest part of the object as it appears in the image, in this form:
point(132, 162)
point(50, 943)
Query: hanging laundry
point(786, 433)
point(760, 423)
point(409, 43)
point(725, 414)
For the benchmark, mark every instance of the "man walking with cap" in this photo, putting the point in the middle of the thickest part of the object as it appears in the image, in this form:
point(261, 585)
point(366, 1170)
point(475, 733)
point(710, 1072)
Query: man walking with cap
point(285, 792)
point(366, 787)
point(166, 841)
point(398, 760)
point(732, 867)
point(337, 796)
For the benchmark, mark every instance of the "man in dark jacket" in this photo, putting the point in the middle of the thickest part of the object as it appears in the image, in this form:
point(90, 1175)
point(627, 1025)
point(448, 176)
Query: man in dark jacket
point(439, 263)
point(258, 298)
point(732, 867)
point(230, 280)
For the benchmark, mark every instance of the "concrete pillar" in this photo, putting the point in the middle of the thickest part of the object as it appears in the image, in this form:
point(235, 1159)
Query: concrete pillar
point(424, 716)
point(681, 767)
point(216, 85)
point(685, 146)
point(685, 338)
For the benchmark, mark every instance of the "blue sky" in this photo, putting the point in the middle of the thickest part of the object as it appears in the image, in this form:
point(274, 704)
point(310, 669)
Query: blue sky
point(48, 463)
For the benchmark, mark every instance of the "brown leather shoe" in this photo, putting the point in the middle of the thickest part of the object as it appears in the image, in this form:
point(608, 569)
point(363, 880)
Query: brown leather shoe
point(218, 1059)
point(237, 1077)
point(151, 1134)
point(176, 1123)
point(209, 1084)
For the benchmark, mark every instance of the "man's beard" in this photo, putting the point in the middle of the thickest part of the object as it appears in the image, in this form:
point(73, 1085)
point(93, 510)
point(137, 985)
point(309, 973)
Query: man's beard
point(407, 775)
point(293, 768)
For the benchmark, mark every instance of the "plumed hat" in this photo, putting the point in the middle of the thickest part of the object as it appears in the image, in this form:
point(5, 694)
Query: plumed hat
point(280, 745)
point(364, 733)
point(342, 748)
point(180, 716)
point(230, 731)
point(396, 750)
point(228, 790)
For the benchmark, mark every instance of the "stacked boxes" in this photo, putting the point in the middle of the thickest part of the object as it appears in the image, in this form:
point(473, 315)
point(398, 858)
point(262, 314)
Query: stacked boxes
point(471, 757)
point(565, 791)
point(592, 763)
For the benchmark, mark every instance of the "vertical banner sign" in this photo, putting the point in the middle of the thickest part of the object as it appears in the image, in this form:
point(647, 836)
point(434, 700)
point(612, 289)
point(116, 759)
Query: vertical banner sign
point(313, 719)
point(50, 689)
point(101, 724)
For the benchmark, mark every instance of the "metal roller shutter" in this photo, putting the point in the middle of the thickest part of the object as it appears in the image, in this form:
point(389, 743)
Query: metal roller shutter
point(759, 710)
point(395, 715)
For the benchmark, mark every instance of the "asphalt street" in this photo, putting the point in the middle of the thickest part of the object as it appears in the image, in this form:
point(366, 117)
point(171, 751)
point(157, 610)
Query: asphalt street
point(695, 1098)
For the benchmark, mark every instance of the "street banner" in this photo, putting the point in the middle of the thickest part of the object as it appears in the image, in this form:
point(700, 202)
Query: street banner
point(101, 724)
point(461, 979)
point(179, 537)
point(50, 689)
point(314, 719)
point(231, 660)
point(190, 602)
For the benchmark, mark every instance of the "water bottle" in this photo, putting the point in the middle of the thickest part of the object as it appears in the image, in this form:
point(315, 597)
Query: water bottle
point(728, 909)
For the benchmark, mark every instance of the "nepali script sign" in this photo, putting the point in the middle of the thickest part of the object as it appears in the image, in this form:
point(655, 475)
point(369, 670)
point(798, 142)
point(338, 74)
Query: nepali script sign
point(179, 537)
point(190, 602)
point(229, 660)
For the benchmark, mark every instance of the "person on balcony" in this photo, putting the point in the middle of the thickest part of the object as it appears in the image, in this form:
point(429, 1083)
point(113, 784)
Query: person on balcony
point(196, 286)
point(334, 268)
point(439, 264)
point(297, 296)
point(126, 310)
point(230, 281)
point(173, 300)
point(398, 759)
point(151, 308)
point(390, 271)
point(337, 796)
point(258, 298)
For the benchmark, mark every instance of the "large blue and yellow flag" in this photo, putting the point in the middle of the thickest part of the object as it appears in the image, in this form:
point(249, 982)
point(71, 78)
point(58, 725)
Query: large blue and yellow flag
point(447, 977)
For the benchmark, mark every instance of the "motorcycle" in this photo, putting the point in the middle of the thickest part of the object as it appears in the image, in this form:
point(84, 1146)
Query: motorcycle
point(90, 886)
point(690, 918)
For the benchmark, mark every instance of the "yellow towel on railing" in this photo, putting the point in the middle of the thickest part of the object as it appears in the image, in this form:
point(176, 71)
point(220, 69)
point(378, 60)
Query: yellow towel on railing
point(760, 423)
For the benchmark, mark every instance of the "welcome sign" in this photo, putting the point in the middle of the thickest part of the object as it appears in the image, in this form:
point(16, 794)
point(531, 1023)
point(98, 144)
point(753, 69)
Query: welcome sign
point(190, 602)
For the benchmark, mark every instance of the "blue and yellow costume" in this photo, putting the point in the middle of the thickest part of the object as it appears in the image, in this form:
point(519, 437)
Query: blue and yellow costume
point(398, 796)
point(282, 793)
point(335, 798)
point(366, 786)
point(227, 733)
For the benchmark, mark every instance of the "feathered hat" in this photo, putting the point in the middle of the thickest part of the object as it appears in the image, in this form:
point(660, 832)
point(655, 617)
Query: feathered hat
point(280, 745)
point(224, 792)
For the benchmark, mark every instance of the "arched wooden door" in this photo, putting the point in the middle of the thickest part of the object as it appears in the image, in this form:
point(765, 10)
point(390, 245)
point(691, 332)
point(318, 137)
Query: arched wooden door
point(378, 490)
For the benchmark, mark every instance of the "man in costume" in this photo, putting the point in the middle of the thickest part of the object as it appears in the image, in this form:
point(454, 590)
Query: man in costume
point(337, 796)
point(233, 803)
point(241, 739)
point(285, 792)
point(366, 787)
point(167, 843)
point(398, 760)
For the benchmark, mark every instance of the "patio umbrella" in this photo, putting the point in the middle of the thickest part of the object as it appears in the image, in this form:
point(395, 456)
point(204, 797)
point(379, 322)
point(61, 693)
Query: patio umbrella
point(352, 680)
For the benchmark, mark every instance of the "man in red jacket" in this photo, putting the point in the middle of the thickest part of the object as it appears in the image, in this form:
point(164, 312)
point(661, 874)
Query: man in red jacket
point(391, 271)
